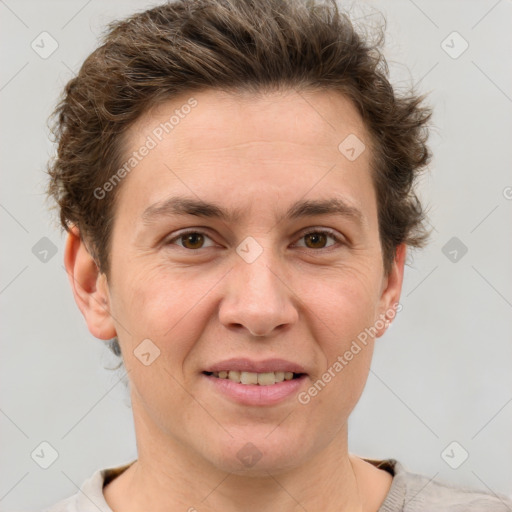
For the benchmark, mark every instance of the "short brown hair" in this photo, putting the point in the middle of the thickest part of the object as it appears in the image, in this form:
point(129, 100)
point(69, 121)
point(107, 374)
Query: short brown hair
point(232, 45)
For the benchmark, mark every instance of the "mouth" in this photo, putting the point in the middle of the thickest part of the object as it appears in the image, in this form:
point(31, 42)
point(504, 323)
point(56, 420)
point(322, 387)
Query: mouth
point(260, 389)
point(253, 378)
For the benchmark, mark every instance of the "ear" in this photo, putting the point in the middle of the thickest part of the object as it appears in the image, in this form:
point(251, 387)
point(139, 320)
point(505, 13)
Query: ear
point(90, 287)
point(389, 305)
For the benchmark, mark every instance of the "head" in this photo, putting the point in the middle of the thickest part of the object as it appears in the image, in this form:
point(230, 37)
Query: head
point(245, 125)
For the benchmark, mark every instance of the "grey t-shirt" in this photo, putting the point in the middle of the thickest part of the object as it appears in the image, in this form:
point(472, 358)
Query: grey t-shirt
point(409, 492)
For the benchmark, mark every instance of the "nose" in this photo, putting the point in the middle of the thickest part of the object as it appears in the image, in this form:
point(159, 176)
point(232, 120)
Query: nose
point(258, 298)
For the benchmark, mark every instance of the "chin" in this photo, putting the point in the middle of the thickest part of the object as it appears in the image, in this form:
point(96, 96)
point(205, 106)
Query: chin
point(258, 452)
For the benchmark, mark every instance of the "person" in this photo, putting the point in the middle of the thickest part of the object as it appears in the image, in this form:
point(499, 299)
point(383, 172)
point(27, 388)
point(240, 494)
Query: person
point(237, 182)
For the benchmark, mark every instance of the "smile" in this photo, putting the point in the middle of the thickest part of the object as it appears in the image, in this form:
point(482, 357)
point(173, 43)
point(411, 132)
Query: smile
point(255, 389)
point(253, 378)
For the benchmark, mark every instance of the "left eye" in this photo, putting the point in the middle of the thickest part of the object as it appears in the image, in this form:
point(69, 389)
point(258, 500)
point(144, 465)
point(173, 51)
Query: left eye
point(316, 239)
point(319, 237)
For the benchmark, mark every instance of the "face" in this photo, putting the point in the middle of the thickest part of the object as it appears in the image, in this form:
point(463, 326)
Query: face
point(273, 278)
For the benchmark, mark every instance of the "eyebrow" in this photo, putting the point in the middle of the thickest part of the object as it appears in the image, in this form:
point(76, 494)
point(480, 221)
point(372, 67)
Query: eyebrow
point(303, 208)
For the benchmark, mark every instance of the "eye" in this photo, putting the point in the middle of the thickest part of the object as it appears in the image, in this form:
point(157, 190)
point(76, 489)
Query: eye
point(317, 238)
point(192, 240)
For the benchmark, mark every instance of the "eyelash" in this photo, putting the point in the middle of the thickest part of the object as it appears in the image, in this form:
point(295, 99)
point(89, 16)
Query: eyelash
point(324, 231)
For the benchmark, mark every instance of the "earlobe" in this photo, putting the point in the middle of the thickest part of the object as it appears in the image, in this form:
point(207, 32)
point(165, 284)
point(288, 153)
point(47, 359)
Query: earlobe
point(89, 286)
point(392, 288)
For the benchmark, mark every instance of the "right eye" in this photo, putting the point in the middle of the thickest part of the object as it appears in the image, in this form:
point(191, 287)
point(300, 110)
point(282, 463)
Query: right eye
point(192, 240)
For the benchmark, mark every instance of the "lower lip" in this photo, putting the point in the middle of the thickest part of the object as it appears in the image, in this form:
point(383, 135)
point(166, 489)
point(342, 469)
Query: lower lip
point(254, 394)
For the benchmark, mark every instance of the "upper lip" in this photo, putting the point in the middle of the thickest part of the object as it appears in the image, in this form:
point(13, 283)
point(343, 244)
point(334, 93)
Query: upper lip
point(249, 365)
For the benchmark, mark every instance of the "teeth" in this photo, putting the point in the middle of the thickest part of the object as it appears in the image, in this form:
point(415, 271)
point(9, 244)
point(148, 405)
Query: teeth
point(248, 378)
point(263, 379)
point(232, 375)
point(280, 376)
point(266, 379)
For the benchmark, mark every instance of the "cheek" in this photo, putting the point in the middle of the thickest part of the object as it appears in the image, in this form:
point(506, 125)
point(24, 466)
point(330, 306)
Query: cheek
point(154, 304)
point(343, 310)
point(155, 300)
point(345, 301)
point(171, 308)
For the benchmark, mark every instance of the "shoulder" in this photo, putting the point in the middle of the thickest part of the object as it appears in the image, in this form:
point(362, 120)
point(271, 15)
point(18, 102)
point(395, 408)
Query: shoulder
point(412, 492)
point(66, 505)
point(90, 497)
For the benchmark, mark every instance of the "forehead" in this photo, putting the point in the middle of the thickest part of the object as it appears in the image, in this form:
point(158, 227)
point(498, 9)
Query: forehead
point(220, 147)
point(308, 118)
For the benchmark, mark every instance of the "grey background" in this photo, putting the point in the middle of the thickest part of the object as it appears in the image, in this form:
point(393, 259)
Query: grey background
point(442, 373)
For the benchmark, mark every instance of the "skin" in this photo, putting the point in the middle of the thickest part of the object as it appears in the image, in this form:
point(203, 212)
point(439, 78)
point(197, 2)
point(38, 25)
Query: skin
point(300, 300)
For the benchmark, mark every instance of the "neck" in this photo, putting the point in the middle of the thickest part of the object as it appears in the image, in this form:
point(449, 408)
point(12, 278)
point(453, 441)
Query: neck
point(168, 475)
